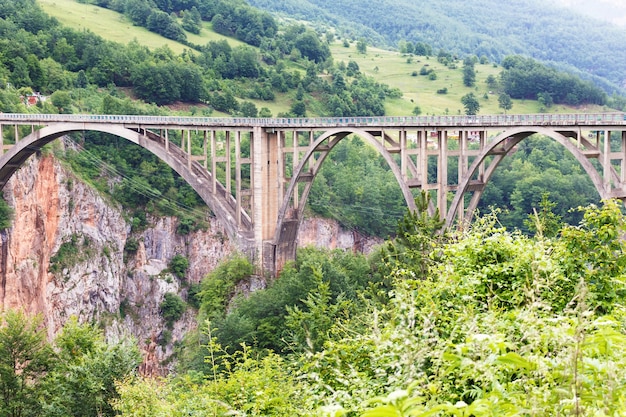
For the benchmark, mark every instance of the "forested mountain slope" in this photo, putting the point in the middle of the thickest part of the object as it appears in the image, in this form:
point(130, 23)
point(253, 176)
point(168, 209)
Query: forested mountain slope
point(483, 27)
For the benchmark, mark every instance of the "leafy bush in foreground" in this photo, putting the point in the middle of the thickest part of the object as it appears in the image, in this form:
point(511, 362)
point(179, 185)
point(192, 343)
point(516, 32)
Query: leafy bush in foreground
point(500, 324)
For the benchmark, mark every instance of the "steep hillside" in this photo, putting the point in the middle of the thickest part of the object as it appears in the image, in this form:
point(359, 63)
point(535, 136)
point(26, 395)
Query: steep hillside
point(483, 27)
point(613, 11)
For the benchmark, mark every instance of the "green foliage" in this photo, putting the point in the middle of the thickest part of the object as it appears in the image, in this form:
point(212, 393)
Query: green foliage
point(73, 376)
point(218, 287)
point(310, 326)
point(147, 185)
point(6, 214)
point(503, 324)
point(187, 225)
point(83, 382)
point(418, 236)
point(470, 103)
point(488, 333)
point(469, 73)
point(361, 46)
point(597, 255)
point(74, 249)
point(545, 222)
point(355, 187)
point(192, 21)
point(527, 78)
point(171, 308)
point(179, 265)
point(131, 245)
point(503, 29)
point(261, 319)
point(25, 357)
point(248, 385)
point(505, 102)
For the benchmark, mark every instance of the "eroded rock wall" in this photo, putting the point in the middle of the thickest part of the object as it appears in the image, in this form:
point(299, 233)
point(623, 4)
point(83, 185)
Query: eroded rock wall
point(96, 282)
point(92, 277)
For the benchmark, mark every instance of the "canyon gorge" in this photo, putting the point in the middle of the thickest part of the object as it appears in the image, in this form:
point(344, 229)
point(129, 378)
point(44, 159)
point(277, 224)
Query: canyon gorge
point(64, 255)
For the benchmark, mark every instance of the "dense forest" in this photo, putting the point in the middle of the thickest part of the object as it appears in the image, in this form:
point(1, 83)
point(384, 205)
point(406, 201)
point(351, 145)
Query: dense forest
point(485, 27)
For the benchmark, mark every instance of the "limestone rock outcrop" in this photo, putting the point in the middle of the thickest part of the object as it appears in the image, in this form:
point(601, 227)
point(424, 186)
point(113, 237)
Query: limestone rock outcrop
point(65, 256)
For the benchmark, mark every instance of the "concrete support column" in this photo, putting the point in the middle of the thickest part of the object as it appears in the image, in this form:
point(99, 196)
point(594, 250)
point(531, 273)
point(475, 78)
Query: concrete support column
point(265, 208)
point(623, 161)
point(229, 168)
point(442, 173)
point(606, 163)
point(204, 150)
point(189, 157)
point(463, 167)
point(238, 175)
point(423, 158)
point(213, 162)
point(403, 155)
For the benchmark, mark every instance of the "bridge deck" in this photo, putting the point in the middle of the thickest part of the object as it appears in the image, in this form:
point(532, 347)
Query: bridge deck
point(408, 122)
point(256, 173)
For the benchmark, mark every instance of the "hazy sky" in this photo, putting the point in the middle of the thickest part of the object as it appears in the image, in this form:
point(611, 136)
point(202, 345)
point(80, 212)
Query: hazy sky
point(610, 10)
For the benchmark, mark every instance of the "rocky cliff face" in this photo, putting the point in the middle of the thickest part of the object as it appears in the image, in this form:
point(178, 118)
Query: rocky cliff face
point(64, 256)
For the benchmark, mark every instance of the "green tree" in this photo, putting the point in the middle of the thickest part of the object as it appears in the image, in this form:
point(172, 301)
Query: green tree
point(265, 112)
point(81, 79)
point(248, 109)
point(171, 308)
point(62, 101)
point(310, 46)
point(298, 109)
point(545, 222)
point(352, 69)
point(179, 265)
point(491, 81)
point(505, 102)
point(6, 214)
point(20, 76)
point(469, 73)
point(361, 46)
point(83, 381)
point(25, 358)
point(471, 104)
point(418, 235)
point(192, 20)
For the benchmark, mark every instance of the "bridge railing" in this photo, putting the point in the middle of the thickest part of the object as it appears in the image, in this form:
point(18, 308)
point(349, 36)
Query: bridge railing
point(288, 122)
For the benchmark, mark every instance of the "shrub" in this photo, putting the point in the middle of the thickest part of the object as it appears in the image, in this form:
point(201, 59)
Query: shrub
point(131, 245)
point(178, 266)
point(171, 308)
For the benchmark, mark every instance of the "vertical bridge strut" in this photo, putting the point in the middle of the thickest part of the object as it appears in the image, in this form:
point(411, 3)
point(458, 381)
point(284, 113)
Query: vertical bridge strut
point(256, 174)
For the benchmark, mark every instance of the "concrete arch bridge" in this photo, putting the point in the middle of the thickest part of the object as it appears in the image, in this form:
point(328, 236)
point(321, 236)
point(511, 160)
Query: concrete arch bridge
point(255, 174)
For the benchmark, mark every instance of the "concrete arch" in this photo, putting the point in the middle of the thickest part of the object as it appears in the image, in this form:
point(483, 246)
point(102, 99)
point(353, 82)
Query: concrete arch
point(197, 177)
point(507, 141)
point(289, 223)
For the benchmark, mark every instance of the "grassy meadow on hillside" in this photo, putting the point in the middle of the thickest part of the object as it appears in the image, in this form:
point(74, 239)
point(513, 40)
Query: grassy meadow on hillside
point(116, 27)
point(389, 67)
point(396, 70)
